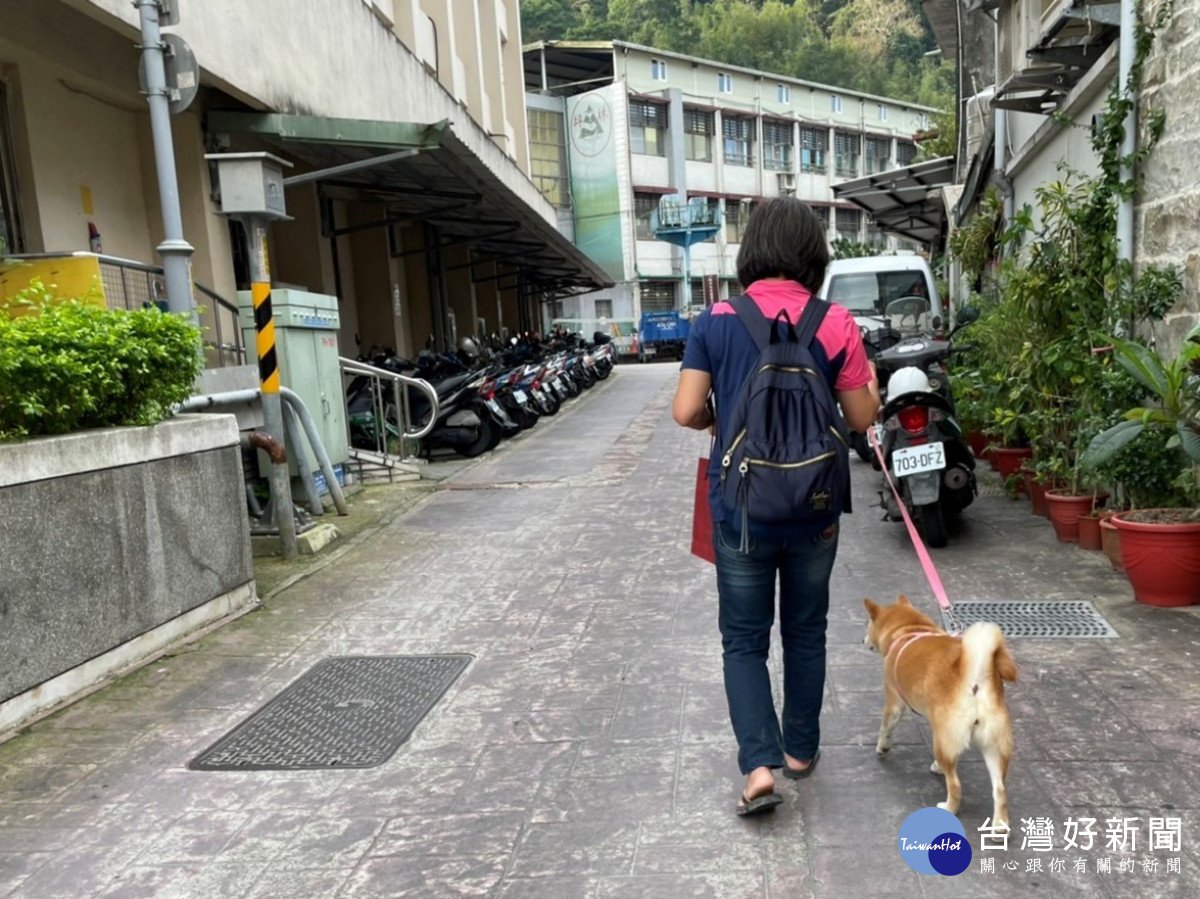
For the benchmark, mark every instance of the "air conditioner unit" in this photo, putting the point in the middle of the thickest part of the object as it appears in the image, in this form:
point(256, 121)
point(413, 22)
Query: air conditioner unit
point(787, 183)
point(1020, 29)
point(978, 112)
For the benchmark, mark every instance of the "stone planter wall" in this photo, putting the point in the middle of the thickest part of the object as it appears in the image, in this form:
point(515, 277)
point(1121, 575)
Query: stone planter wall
point(116, 543)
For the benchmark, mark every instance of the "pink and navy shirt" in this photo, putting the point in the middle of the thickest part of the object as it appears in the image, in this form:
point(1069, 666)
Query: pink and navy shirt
point(719, 344)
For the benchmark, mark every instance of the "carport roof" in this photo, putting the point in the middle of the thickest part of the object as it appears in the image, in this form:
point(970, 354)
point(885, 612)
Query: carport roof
point(904, 200)
point(423, 173)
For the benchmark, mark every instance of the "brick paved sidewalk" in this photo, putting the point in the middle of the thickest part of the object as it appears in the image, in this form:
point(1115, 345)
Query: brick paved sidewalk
point(586, 751)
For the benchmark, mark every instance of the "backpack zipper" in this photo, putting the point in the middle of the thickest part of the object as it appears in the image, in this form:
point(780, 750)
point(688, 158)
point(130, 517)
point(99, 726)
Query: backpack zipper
point(791, 369)
point(812, 461)
point(727, 459)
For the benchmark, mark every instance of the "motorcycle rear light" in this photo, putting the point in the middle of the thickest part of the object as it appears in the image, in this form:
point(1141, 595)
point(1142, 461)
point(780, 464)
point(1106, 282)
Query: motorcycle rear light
point(914, 419)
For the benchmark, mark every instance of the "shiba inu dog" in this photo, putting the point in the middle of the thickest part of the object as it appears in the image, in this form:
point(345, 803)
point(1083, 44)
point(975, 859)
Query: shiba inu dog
point(957, 683)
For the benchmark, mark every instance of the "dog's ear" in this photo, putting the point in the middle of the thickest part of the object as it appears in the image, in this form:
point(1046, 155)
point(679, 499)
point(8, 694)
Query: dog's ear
point(903, 600)
point(872, 608)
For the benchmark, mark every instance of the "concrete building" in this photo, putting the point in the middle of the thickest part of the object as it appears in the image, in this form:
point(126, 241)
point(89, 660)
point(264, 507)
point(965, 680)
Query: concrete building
point(615, 127)
point(430, 223)
point(1032, 82)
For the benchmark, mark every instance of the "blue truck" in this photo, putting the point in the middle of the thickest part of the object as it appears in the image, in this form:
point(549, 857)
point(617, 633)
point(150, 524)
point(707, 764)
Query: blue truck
point(662, 334)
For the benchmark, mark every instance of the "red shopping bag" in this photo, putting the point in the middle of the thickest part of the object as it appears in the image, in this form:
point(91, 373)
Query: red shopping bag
point(702, 526)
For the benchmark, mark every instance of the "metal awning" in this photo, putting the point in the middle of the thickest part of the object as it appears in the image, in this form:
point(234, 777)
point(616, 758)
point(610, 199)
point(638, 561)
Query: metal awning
point(904, 201)
point(423, 174)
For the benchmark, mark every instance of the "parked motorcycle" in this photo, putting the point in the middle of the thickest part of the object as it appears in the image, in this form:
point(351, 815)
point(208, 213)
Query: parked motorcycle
point(924, 448)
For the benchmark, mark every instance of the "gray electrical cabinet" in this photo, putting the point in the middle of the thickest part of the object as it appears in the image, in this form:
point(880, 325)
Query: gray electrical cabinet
point(306, 344)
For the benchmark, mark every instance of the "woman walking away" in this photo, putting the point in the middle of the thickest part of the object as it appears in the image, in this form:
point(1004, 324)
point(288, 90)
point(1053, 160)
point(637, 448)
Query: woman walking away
point(774, 397)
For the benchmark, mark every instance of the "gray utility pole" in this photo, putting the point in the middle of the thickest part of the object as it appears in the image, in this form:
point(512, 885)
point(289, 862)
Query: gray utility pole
point(175, 251)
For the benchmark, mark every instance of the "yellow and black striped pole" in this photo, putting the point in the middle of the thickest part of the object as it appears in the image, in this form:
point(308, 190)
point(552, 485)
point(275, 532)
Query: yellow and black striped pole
point(268, 376)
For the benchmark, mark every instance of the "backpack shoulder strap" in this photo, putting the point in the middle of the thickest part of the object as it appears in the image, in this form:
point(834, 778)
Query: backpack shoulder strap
point(810, 320)
point(752, 318)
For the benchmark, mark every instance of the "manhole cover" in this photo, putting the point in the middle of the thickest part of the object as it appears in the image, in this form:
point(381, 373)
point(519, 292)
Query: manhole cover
point(346, 712)
point(1048, 619)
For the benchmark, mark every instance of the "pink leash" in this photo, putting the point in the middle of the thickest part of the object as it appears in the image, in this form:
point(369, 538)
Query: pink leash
point(931, 575)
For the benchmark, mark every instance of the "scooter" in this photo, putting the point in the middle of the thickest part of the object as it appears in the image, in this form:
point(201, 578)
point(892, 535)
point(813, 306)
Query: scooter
point(923, 445)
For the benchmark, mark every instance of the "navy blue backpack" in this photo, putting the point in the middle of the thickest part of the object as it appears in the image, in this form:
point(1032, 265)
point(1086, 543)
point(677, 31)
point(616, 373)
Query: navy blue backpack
point(786, 454)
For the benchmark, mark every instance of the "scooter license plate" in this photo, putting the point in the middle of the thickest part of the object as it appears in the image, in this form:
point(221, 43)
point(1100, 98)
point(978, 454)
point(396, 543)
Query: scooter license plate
point(520, 397)
point(494, 406)
point(917, 459)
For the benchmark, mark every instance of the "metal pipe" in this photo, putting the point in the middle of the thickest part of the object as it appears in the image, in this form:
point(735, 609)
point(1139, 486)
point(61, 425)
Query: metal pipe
point(314, 440)
point(1127, 53)
point(274, 449)
point(292, 432)
point(196, 403)
point(175, 251)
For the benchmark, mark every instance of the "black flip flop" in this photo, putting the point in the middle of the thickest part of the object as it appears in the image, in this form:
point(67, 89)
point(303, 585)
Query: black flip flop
point(759, 804)
point(793, 774)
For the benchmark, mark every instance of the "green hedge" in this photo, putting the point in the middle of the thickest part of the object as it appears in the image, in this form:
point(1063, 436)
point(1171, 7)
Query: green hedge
point(70, 366)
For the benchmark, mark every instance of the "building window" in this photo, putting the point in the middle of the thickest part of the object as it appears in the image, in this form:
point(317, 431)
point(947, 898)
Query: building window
point(724, 83)
point(783, 93)
point(848, 221)
point(658, 70)
point(711, 215)
point(644, 206)
point(835, 103)
point(548, 156)
point(603, 309)
point(697, 135)
point(737, 214)
point(883, 112)
point(905, 153)
point(875, 237)
point(846, 149)
point(822, 212)
point(658, 296)
point(11, 237)
point(923, 121)
point(879, 152)
point(813, 145)
point(647, 128)
point(777, 146)
point(739, 140)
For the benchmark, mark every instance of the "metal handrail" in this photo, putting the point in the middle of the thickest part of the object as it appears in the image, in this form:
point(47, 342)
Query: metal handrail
point(353, 366)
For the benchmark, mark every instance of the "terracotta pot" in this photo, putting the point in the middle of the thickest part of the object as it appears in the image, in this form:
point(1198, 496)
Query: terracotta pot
point(1161, 560)
point(1065, 511)
point(1037, 496)
point(978, 442)
point(1089, 531)
point(1110, 542)
point(1008, 460)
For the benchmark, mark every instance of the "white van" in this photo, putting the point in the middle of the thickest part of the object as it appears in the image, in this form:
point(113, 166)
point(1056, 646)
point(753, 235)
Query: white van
point(870, 286)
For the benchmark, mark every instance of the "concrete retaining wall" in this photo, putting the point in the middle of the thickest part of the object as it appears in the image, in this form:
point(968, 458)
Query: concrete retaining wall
point(111, 535)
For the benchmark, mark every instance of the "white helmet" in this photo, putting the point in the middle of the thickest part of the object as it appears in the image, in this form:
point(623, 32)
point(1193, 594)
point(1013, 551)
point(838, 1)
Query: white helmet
point(909, 379)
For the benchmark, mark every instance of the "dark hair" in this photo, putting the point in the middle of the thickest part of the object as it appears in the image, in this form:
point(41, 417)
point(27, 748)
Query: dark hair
point(784, 237)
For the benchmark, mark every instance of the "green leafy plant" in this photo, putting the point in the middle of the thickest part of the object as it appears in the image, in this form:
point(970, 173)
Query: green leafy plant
point(67, 365)
point(1175, 391)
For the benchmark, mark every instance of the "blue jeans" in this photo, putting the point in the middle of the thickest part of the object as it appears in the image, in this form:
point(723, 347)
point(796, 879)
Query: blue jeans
point(746, 593)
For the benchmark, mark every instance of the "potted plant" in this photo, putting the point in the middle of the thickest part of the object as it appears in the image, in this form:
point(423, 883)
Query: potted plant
point(1160, 546)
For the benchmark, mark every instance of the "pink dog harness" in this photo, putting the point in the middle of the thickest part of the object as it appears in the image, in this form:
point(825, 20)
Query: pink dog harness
point(898, 648)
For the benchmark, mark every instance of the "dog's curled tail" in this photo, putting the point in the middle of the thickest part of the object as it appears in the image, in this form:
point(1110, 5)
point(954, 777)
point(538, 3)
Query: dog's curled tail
point(983, 645)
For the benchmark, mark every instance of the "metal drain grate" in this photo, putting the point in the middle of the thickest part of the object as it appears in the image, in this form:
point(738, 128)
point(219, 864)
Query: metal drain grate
point(1047, 619)
point(346, 712)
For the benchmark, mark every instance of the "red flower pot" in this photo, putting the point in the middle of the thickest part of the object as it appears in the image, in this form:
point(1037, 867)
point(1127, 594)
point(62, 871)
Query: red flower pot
point(1008, 460)
point(1110, 542)
point(978, 442)
point(1065, 511)
point(1161, 560)
point(1037, 497)
point(1089, 531)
